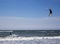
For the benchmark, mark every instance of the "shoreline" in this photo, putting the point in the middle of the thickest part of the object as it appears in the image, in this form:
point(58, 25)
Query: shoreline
point(27, 38)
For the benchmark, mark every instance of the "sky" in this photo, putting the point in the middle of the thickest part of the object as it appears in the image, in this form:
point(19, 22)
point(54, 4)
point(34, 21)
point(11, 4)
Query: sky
point(29, 14)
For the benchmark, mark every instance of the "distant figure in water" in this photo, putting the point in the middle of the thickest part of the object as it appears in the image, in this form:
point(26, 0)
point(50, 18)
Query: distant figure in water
point(10, 33)
point(50, 14)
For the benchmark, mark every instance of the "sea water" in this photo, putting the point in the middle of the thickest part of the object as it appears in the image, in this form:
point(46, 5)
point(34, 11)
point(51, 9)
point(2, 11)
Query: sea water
point(31, 37)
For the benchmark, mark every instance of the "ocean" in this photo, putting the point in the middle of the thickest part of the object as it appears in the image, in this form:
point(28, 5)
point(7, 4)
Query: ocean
point(30, 37)
point(28, 33)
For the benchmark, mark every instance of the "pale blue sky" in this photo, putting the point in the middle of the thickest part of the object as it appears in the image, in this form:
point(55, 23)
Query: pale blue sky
point(29, 8)
point(29, 14)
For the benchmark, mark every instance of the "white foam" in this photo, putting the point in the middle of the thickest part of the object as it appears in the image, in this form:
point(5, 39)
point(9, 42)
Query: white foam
point(27, 38)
